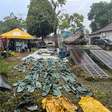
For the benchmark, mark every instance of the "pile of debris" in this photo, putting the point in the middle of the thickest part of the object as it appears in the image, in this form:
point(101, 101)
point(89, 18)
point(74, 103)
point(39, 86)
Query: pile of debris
point(50, 76)
point(41, 54)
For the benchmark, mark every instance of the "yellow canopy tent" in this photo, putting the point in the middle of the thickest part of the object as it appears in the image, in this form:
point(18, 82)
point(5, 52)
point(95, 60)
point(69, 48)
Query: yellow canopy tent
point(16, 34)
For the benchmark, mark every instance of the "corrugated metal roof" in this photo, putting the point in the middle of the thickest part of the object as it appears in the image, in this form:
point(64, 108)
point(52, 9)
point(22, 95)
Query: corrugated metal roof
point(105, 29)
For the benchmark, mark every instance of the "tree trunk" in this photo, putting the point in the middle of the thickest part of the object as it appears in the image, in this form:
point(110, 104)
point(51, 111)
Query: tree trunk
point(42, 38)
point(56, 40)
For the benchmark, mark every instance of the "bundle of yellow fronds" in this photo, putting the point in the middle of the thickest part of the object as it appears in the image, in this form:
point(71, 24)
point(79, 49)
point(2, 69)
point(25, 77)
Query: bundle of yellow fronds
point(58, 104)
point(89, 104)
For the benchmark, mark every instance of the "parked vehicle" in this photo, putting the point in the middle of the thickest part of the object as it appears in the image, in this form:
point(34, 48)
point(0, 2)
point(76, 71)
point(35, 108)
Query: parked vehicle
point(104, 43)
point(41, 44)
point(50, 44)
point(94, 39)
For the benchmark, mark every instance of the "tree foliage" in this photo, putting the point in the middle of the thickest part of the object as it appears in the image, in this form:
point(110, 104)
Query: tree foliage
point(57, 3)
point(41, 18)
point(66, 21)
point(100, 15)
point(71, 22)
point(11, 22)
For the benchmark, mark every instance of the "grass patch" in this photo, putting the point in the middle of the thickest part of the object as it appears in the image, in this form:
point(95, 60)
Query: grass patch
point(5, 66)
point(7, 99)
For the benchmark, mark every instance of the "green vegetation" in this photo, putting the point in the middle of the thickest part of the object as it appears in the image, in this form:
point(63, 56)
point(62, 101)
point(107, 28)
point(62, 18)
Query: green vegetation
point(41, 19)
point(5, 66)
point(71, 22)
point(44, 15)
point(7, 99)
point(11, 22)
point(56, 4)
point(100, 15)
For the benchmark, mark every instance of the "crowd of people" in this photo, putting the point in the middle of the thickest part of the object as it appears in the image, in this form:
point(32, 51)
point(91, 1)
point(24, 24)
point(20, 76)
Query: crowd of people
point(16, 45)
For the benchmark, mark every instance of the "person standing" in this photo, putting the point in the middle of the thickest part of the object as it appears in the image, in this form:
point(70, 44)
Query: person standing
point(29, 45)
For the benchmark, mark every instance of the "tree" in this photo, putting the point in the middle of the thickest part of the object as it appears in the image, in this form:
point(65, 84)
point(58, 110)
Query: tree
point(100, 15)
point(11, 22)
point(41, 18)
point(56, 4)
point(71, 22)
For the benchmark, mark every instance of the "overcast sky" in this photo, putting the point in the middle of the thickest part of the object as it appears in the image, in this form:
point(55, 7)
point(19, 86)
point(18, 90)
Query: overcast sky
point(19, 7)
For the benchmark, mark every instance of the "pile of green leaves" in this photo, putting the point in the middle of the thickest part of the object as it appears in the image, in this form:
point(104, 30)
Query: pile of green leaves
point(50, 77)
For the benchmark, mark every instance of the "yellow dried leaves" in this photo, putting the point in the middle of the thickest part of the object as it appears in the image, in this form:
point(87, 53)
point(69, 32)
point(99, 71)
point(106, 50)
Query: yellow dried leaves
point(89, 104)
point(58, 104)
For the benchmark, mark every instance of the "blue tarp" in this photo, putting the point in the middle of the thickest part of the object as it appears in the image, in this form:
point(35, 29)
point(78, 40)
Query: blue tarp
point(66, 34)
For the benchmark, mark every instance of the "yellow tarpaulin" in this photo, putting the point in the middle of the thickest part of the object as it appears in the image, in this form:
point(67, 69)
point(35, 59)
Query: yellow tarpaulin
point(89, 104)
point(16, 34)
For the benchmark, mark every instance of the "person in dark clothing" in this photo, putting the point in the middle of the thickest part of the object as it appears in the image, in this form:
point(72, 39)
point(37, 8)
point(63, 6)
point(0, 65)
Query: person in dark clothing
point(29, 46)
point(12, 45)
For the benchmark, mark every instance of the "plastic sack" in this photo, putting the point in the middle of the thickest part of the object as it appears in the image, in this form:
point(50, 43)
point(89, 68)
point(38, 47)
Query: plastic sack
point(89, 104)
